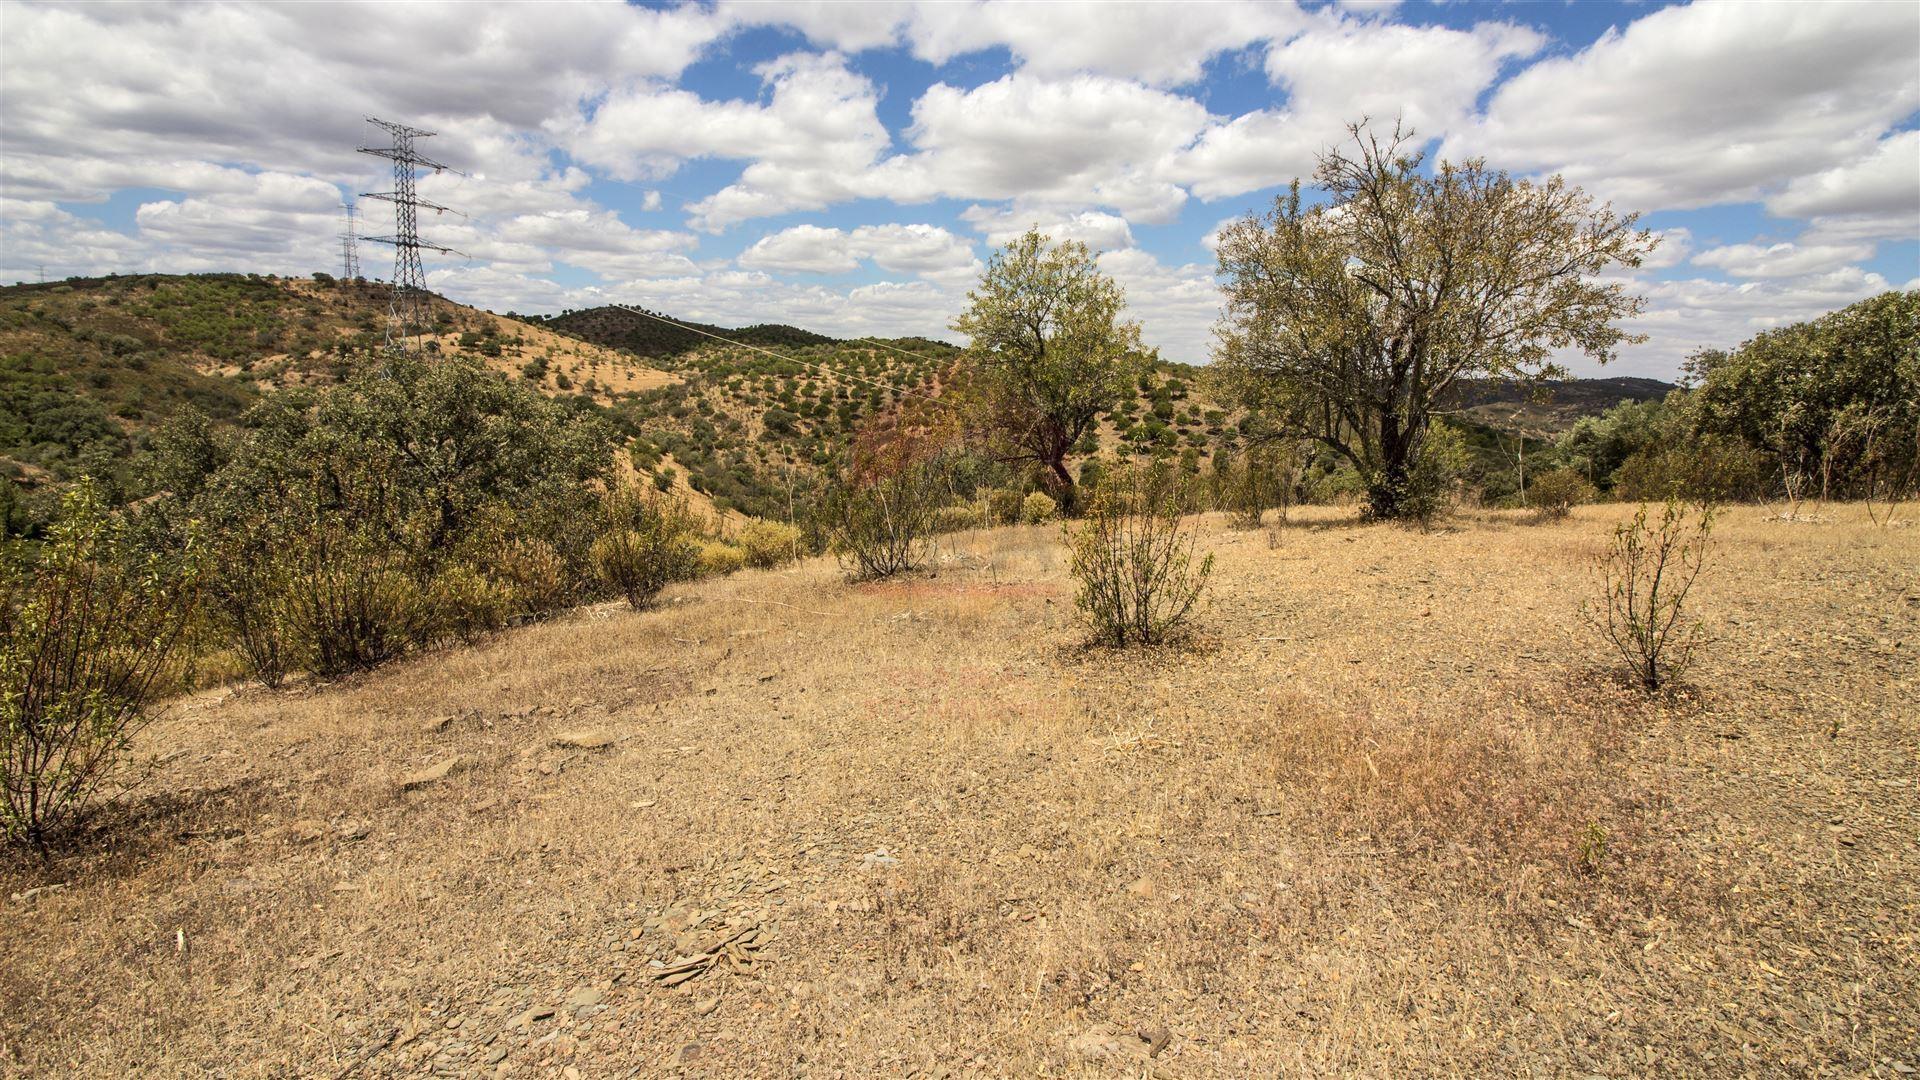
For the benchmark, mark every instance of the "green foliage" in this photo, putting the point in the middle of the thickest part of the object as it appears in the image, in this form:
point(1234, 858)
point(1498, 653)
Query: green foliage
point(1132, 558)
point(1351, 322)
point(647, 542)
point(419, 500)
point(885, 528)
point(1429, 487)
point(88, 633)
point(1004, 506)
point(1649, 567)
point(1554, 493)
point(949, 519)
point(1051, 350)
point(1834, 403)
point(1037, 508)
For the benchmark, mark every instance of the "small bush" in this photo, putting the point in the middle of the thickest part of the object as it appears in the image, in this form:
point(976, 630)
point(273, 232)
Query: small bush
point(1037, 508)
point(883, 529)
point(768, 544)
point(350, 605)
point(1648, 570)
point(535, 577)
point(718, 557)
point(88, 633)
point(467, 604)
point(949, 519)
point(647, 544)
point(1132, 557)
point(1004, 506)
point(1554, 493)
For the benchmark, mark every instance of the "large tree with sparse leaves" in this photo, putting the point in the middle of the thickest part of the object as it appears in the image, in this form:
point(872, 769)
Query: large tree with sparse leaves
point(1351, 322)
point(1050, 352)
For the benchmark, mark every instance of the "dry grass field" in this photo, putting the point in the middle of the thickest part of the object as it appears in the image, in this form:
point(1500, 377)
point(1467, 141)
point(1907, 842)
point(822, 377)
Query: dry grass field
point(1389, 813)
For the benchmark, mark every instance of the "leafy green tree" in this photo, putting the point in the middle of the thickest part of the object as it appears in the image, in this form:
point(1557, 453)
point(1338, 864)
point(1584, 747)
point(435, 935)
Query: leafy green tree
point(1835, 402)
point(1050, 352)
point(1349, 322)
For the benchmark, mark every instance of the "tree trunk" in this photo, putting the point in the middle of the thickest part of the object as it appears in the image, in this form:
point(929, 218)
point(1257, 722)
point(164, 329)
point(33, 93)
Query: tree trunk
point(1064, 493)
point(1387, 489)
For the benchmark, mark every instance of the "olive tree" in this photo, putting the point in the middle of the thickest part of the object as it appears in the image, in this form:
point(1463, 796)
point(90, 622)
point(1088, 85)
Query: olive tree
point(1050, 352)
point(1351, 321)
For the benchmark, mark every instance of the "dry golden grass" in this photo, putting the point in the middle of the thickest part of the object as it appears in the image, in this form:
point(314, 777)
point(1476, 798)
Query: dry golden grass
point(1388, 813)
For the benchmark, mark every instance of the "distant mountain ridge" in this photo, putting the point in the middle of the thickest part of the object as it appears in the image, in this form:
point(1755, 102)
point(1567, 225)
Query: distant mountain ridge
point(620, 328)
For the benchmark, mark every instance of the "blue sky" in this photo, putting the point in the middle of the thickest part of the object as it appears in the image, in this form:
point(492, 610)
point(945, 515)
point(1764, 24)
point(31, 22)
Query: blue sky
point(848, 167)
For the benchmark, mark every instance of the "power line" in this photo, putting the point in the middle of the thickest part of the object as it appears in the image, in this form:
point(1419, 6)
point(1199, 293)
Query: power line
point(407, 314)
point(789, 359)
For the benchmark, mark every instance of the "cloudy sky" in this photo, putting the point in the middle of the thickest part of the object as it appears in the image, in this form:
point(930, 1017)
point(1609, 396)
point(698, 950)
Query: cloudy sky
point(847, 167)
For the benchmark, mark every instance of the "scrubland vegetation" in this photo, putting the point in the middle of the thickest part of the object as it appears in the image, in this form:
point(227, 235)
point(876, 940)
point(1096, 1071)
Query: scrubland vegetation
point(1035, 707)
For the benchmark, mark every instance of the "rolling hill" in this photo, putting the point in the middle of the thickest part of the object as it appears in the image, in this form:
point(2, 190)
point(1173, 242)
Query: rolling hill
point(89, 367)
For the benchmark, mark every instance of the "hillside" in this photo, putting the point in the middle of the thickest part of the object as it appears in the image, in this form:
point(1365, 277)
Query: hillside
point(1551, 405)
point(88, 367)
point(652, 339)
point(1388, 815)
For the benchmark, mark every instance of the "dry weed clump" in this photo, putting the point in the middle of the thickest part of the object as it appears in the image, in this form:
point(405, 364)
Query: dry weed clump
point(1649, 568)
point(1132, 558)
point(886, 527)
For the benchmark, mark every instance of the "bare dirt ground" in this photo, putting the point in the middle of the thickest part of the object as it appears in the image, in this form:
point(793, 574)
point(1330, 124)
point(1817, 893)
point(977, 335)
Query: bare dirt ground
point(1389, 814)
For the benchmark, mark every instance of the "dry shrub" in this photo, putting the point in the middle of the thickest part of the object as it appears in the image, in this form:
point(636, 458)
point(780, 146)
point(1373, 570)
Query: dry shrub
point(1648, 569)
point(468, 604)
point(768, 545)
point(647, 543)
point(717, 557)
point(885, 528)
point(1556, 492)
point(536, 577)
point(88, 633)
point(1132, 557)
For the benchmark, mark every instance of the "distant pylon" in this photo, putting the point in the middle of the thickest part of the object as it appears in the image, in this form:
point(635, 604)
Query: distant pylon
point(349, 249)
point(407, 315)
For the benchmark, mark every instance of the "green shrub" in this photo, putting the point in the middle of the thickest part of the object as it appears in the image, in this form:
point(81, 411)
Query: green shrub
point(468, 604)
point(1646, 573)
point(1004, 506)
point(1554, 493)
point(1133, 558)
point(768, 544)
point(646, 544)
point(88, 634)
point(957, 518)
point(1037, 508)
point(351, 605)
point(884, 528)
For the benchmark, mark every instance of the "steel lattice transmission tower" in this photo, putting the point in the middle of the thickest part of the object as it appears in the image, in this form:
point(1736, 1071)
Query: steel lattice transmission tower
point(349, 249)
point(408, 314)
